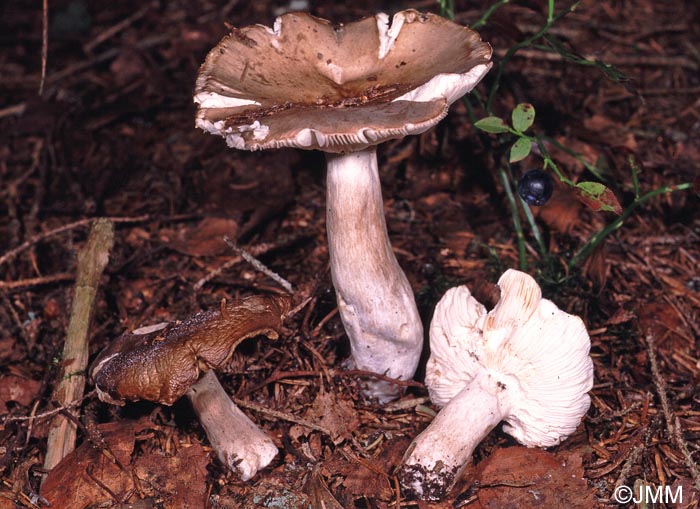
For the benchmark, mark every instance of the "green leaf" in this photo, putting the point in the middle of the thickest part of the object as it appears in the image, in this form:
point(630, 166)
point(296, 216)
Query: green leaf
point(598, 197)
point(520, 150)
point(492, 125)
point(523, 116)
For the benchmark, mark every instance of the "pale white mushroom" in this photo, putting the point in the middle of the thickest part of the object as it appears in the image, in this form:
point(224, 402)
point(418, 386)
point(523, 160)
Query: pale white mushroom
point(525, 362)
point(343, 89)
point(238, 442)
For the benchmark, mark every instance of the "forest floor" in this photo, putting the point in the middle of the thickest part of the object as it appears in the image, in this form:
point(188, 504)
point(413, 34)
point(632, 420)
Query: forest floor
point(112, 135)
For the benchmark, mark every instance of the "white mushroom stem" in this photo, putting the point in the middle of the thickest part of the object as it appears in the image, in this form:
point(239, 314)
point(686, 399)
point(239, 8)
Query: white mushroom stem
point(375, 300)
point(237, 440)
point(436, 458)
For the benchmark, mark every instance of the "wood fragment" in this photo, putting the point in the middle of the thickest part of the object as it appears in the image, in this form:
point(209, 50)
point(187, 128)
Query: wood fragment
point(10, 286)
point(258, 265)
point(92, 260)
point(44, 44)
point(275, 414)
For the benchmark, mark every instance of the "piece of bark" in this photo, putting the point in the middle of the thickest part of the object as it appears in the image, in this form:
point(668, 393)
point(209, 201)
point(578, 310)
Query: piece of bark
point(92, 260)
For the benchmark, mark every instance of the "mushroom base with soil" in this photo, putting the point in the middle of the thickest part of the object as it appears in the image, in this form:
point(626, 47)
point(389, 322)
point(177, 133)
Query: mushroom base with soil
point(238, 442)
point(437, 456)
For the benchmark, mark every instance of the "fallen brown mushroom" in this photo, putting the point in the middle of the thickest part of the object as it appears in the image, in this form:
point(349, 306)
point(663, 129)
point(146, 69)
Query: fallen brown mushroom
point(161, 363)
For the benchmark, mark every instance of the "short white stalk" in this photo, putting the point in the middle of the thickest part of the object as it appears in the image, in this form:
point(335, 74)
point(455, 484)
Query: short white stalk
point(375, 300)
point(237, 440)
point(436, 458)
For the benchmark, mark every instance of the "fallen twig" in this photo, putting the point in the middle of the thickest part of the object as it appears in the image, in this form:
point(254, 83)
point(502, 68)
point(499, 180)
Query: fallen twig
point(92, 260)
point(48, 413)
point(15, 109)
point(259, 265)
point(621, 60)
point(10, 255)
point(281, 415)
point(44, 43)
point(115, 29)
point(673, 424)
point(10, 286)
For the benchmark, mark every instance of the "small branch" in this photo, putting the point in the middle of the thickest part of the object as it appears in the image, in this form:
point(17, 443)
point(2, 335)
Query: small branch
point(10, 255)
point(49, 413)
point(689, 461)
point(92, 260)
point(636, 453)
point(115, 29)
point(673, 424)
point(620, 60)
point(260, 266)
point(660, 385)
point(17, 109)
point(274, 414)
point(44, 44)
point(10, 286)
point(255, 250)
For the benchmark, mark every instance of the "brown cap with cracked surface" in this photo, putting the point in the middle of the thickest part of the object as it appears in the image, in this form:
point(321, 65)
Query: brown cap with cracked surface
point(310, 84)
point(161, 363)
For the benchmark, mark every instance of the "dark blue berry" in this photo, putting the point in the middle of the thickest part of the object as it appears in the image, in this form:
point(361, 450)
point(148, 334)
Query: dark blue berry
point(535, 187)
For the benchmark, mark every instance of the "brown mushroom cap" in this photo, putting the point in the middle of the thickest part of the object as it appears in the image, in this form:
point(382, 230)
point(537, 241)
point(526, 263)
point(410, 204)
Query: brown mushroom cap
point(160, 365)
point(310, 84)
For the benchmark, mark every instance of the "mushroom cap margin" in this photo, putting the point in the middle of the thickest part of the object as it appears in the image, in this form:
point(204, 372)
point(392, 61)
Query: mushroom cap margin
point(336, 71)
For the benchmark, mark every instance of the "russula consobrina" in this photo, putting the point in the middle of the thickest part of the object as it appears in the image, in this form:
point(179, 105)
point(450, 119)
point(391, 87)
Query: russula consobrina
point(164, 362)
point(343, 89)
point(525, 362)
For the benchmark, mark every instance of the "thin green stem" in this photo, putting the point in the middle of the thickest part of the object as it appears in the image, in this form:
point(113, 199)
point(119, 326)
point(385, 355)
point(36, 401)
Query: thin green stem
point(489, 12)
point(635, 175)
point(549, 162)
point(551, 19)
point(535, 229)
point(516, 219)
point(596, 239)
point(589, 166)
point(447, 9)
point(550, 11)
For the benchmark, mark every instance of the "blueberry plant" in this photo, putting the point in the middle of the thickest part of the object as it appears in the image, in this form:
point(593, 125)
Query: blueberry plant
point(535, 186)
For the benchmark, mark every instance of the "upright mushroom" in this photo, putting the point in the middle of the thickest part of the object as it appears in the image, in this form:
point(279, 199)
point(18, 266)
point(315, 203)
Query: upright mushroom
point(164, 362)
point(525, 362)
point(343, 89)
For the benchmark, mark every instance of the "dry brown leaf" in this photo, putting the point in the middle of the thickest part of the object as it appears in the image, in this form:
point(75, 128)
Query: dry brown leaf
point(659, 319)
point(6, 501)
point(203, 239)
point(562, 212)
point(179, 480)
point(597, 266)
point(622, 315)
point(612, 132)
point(517, 477)
point(362, 477)
point(127, 67)
point(691, 495)
point(17, 388)
point(69, 485)
point(336, 415)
